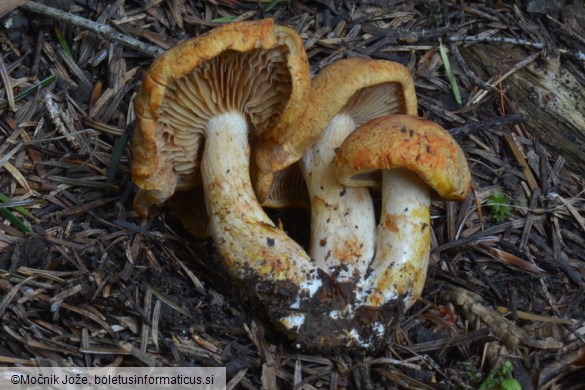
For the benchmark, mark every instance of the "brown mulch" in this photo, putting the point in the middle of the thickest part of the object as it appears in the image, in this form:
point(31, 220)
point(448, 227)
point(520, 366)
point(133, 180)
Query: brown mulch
point(85, 282)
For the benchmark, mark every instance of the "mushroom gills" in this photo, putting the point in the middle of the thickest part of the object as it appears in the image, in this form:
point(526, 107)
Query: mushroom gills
point(248, 83)
point(289, 190)
point(188, 207)
point(375, 101)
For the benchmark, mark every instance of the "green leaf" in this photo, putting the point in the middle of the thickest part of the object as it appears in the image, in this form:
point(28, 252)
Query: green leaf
point(499, 205)
point(510, 384)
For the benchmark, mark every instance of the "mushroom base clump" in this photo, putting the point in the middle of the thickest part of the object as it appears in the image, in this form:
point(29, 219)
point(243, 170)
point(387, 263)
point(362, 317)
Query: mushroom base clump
point(334, 320)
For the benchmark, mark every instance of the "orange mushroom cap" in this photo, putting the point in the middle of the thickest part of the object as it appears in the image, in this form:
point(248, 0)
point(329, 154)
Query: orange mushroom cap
point(404, 141)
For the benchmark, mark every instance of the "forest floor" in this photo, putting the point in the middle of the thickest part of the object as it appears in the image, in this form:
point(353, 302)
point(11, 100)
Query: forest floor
point(85, 282)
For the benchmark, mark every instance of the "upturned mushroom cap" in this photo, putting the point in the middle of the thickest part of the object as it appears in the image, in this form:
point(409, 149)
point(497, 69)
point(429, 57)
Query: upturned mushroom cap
point(403, 141)
point(194, 81)
point(362, 88)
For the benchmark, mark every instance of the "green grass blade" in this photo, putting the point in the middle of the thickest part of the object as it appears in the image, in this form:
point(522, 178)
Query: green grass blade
point(14, 220)
point(19, 209)
point(116, 156)
point(225, 19)
point(63, 42)
point(169, 303)
point(86, 183)
point(271, 5)
point(450, 75)
point(29, 91)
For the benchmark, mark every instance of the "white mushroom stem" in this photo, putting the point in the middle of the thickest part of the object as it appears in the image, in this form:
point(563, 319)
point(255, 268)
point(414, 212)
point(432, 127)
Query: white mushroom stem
point(402, 240)
point(248, 241)
point(342, 218)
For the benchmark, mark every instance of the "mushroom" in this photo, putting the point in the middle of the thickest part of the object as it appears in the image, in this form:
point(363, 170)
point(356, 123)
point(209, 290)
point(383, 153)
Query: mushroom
point(415, 156)
point(200, 105)
point(344, 95)
point(228, 107)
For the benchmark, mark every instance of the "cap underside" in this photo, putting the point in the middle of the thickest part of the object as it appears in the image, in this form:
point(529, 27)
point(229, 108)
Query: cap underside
point(256, 84)
point(375, 101)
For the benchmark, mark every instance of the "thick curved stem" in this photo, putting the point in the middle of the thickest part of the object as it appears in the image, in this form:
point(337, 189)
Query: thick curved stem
point(402, 241)
point(252, 247)
point(342, 218)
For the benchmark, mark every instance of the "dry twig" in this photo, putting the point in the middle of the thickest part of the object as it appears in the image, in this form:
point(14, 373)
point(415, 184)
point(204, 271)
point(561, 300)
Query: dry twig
point(99, 29)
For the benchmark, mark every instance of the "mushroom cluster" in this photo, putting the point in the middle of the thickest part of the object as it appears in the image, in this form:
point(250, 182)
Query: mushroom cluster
point(221, 117)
